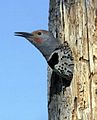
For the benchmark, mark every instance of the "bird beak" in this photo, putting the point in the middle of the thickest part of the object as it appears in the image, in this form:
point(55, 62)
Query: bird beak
point(24, 34)
point(31, 37)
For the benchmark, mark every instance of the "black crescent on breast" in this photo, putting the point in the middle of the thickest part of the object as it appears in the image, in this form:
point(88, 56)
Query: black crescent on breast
point(53, 60)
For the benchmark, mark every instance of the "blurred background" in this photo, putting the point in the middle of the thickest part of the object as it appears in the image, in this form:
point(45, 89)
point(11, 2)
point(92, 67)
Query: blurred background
point(23, 70)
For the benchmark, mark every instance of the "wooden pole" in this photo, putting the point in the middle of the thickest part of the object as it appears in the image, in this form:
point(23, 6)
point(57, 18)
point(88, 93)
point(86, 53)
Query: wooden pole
point(75, 21)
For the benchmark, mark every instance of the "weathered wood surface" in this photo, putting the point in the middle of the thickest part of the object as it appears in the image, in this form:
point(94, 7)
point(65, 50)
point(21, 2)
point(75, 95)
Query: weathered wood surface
point(76, 22)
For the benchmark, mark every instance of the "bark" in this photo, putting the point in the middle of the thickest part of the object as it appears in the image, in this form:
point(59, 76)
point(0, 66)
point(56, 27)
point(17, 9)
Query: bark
point(76, 22)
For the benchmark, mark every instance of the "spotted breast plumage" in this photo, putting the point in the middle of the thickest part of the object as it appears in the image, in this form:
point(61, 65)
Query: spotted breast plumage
point(61, 61)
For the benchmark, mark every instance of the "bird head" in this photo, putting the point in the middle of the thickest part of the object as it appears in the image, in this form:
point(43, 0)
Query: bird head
point(38, 37)
point(42, 39)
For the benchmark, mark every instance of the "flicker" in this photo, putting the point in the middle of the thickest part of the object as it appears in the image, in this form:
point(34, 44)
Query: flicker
point(58, 56)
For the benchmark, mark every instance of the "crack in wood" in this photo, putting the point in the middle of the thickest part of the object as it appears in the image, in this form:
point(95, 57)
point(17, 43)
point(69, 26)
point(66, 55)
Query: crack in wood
point(94, 57)
point(92, 74)
point(69, 2)
point(83, 59)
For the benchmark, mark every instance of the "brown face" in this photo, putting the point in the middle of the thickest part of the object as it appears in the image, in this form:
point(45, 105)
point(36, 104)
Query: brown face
point(39, 35)
point(35, 36)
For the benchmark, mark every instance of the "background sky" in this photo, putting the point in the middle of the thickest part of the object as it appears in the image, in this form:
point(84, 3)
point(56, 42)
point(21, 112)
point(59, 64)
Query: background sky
point(23, 70)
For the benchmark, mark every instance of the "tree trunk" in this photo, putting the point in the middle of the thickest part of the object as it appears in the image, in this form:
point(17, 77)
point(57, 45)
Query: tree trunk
point(75, 21)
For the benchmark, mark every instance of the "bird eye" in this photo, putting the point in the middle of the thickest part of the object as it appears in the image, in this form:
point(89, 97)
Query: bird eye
point(39, 33)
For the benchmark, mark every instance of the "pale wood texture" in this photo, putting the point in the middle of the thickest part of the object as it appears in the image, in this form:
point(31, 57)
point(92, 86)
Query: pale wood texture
point(76, 22)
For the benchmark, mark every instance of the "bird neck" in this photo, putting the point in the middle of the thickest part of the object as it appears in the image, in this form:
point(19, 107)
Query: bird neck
point(47, 48)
